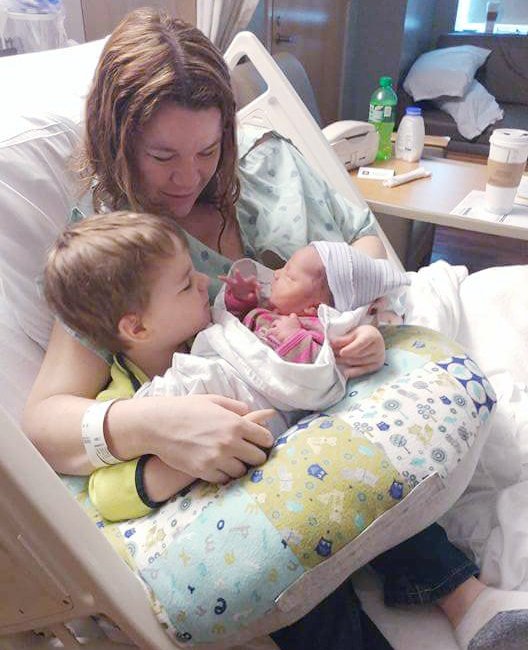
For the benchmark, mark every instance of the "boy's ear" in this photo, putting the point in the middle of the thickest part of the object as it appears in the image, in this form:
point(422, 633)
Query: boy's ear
point(131, 329)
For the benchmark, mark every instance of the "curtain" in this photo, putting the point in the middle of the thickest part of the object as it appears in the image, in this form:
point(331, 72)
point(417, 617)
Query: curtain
point(220, 20)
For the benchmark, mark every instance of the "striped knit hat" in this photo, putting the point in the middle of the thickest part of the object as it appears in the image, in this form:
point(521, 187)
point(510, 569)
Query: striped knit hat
point(354, 278)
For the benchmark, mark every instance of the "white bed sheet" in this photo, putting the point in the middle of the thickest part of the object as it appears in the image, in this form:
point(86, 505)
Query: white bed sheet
point(487, 312)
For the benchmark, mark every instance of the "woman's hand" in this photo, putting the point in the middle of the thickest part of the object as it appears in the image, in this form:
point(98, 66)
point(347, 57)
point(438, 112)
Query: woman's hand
point(360, 351)
point(206, 436)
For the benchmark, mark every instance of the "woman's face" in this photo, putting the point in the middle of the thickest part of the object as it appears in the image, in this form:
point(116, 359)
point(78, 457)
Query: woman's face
point(176, 156)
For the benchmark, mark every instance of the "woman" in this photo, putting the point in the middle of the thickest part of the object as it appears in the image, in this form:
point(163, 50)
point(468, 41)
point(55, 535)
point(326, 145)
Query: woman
point(160, 137)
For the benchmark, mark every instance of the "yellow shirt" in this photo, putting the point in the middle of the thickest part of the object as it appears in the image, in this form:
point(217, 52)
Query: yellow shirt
point(115, 490)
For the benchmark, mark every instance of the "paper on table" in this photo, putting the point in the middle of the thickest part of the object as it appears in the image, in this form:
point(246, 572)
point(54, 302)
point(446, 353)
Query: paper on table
point(473, 207)
point(375, 173)
point(522, 193)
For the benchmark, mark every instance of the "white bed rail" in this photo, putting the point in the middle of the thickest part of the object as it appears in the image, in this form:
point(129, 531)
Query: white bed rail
point(55, 565)
point(280, 108)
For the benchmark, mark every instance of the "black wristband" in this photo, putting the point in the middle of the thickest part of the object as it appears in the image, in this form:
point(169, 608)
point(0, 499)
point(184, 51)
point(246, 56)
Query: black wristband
point(140, 484)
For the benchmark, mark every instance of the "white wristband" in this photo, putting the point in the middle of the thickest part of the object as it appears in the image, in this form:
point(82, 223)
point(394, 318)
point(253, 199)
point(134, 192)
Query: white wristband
point(92, 435)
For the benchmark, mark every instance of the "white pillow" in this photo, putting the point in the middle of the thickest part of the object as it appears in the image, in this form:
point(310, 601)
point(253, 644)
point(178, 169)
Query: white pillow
point(51, 81)
point(447, 71)
point(21, 359)
point(36, 195)
point(43, 95)
point(473, 112)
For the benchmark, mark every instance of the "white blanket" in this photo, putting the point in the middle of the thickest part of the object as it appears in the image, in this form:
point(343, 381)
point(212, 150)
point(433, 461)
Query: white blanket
point(488, 314)
point(228, 359)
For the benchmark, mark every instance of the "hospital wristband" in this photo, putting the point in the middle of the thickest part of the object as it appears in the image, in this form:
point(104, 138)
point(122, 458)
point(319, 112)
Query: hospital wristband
point(92, 435)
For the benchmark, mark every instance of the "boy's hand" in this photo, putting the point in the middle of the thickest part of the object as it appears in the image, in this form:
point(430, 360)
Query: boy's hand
point(360, 351)
point(244, 289)
point(284, 326)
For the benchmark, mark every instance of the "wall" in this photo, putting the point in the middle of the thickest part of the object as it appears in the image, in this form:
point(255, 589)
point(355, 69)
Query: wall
point(260, 23)
point(373, 44)
point(417, 30)
point(101, 16)
point(384, 37)
point(73, 22)
point(444, 19)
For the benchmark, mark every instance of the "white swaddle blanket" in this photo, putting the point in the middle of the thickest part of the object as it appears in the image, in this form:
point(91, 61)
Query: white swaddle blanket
point(228, 359)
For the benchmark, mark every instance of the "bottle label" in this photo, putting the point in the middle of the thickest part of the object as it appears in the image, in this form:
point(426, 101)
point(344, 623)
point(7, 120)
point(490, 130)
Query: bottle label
point(379, 113)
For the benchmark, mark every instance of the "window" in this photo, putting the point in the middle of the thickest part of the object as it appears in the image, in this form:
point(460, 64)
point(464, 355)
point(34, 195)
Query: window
point(512, 16)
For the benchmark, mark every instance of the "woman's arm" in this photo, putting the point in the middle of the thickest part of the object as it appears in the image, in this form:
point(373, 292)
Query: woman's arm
point(202, 435)
point(371, 245)
point(70, 376)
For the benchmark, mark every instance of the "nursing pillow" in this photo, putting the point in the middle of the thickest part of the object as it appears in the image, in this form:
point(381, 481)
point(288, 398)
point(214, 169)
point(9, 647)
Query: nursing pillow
point(226, 564)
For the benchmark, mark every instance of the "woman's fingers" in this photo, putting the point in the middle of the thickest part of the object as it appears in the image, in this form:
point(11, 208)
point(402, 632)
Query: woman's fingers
point(234, 405)
point(232, 468)
point(352, 372)
point(217, 476)
point(255, 433)
point(357, 345)
point(252, 455)
point(355, 350)
point(260, 417)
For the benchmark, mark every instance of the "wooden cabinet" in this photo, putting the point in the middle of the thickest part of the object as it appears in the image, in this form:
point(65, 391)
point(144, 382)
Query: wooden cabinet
point(101, 16)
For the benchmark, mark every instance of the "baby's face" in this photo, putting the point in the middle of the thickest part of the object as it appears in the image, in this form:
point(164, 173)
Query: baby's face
point(300, 284)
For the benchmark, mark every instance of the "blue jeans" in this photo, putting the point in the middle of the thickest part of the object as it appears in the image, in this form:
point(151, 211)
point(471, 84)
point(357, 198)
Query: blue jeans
point(419, 570)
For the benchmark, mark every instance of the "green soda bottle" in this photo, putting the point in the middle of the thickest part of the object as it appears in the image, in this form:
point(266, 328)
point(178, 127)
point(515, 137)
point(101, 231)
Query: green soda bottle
point(382, 114)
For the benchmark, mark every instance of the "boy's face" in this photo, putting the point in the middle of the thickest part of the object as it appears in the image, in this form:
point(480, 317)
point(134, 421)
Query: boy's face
point(179, 302)
point(300, 284)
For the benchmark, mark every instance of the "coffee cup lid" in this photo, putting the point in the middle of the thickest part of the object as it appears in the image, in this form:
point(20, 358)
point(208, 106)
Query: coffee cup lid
point(509, 137)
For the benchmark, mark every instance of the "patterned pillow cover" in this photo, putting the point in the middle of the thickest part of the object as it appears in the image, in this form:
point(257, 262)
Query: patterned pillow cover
point(220, 563)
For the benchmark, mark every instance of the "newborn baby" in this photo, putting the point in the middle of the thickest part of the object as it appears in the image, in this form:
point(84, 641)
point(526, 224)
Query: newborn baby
point(330, 273)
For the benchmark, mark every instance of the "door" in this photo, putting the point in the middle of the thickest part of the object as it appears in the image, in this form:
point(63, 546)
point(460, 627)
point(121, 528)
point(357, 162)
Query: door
point(314, 31)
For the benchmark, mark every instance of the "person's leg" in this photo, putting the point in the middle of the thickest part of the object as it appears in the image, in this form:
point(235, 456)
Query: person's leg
point(338, 622)
point(423, 569)
point(427, 568)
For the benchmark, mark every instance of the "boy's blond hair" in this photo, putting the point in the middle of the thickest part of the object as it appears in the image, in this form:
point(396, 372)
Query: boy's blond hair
point(102, 268)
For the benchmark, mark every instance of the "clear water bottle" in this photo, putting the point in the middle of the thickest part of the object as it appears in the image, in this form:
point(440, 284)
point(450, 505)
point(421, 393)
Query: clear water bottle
point(411, 135)
point(382, 114)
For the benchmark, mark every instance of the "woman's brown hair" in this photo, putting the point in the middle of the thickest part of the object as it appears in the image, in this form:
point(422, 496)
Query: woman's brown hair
point(149, 59)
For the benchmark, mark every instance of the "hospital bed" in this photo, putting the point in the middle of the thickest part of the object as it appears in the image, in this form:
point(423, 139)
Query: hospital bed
point(55, 566)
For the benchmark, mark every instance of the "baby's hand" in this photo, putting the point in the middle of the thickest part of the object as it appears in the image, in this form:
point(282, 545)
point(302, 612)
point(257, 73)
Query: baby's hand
point(245, 289)
point(284, 327)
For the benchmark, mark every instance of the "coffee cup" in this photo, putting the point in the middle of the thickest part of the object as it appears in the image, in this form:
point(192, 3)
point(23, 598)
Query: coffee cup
point(506, 163)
